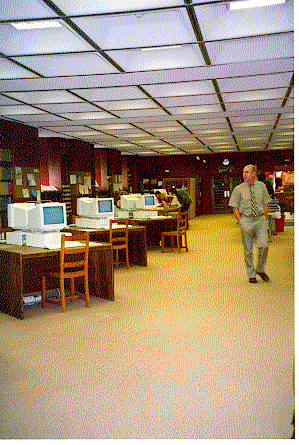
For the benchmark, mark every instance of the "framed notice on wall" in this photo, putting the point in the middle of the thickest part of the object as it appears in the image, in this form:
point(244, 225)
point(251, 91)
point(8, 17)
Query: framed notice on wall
point(80, 183)
point(26, 183)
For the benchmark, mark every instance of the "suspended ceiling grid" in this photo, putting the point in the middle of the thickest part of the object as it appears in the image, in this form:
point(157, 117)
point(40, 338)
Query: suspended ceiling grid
point(151, 77)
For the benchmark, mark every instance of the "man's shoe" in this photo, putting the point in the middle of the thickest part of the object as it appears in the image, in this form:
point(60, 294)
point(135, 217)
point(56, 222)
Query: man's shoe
point(263, 276)
point(252, 280)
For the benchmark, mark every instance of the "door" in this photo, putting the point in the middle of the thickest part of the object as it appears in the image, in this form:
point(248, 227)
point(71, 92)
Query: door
point(223, 185)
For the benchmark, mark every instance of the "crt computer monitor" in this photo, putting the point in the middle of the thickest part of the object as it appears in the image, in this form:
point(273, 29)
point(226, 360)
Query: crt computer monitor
point(150, 201)
point(95, 207)
point(47, 217)
point(105, 207)
point(129, 202)
point(17, 214)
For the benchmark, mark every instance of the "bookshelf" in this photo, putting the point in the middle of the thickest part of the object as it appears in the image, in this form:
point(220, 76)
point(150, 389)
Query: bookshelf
point(6, 188)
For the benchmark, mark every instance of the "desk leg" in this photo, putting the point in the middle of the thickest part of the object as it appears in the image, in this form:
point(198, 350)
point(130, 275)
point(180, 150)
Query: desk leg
point(138, 247)
point(11, 284)
point(101, 273)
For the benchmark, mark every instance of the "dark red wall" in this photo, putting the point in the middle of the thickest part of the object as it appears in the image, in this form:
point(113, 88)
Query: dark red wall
point(22, 141)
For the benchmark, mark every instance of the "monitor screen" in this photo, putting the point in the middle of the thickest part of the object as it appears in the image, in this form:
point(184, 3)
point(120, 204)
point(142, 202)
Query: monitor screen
point(105, 205)
point(149, 200)
point(53, 215)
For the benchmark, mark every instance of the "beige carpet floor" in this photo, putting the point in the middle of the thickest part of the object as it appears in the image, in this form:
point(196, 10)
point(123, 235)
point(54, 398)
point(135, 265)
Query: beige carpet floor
point(188, 350)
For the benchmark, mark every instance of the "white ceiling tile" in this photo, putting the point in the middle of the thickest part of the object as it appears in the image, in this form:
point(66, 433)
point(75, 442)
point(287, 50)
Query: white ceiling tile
point(135, 30)
point(257, 48)
point(9, 70)
point(8, 101)
point(140, 113)
point(24, 9)
point(218, 22)
point(18, 109)
point(38, 41)
point(290, 102)
point(254, 104)
point(33, 119)
point(195, 109)
point(203, 121)
point(105, 94)
point(254, 82)
point(87, 115)
point(138, 60)
point(49, 97)
point(67, 64)
point(43, 133)
point(65, 127)
point(255, 95)
point(82, 133)
point(127, 104)
point(77, 7)
point(180, 88)
point(68, 107)
point(156, 124)
point(244, 119)
point(205, 99)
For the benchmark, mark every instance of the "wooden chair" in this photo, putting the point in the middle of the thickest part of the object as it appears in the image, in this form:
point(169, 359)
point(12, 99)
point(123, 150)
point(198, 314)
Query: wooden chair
point(179, 235)
point(73, 264)
point(119, 239)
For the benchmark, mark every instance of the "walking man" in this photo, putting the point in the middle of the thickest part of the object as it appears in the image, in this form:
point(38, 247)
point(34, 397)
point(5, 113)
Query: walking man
point(249, 201)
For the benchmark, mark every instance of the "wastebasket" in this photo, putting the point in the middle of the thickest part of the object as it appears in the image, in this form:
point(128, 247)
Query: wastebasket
point(279, 224)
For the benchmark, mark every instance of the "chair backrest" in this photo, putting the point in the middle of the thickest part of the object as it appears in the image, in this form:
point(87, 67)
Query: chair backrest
point(74, 253)
point(182, 223)
point(118, 231)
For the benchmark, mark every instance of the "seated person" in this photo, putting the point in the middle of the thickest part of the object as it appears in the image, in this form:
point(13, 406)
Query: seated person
point(161, 197)
point(117, 205)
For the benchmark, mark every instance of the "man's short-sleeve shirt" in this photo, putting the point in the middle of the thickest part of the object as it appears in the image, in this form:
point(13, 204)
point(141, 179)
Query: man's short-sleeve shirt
point(183, 197)
point(240, 197)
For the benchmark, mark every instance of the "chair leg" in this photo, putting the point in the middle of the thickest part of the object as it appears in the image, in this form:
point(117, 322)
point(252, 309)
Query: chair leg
point(172, 242)
point(127, 258)
point(86, 289)
point(178, 240)
point(186, 246)
point(62, 295)
point(43, 291)
point(72, 281)
point(162, 242)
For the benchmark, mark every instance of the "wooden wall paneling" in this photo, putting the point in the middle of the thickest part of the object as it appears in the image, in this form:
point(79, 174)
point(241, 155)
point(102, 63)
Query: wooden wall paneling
point(101, 172)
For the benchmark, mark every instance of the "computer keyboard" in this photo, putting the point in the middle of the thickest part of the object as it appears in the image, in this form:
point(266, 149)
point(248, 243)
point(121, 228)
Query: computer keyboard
point(68, 244)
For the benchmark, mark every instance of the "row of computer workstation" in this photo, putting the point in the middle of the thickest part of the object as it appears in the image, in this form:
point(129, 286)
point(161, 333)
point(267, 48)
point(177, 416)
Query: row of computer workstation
point(33, 243)
point(41, 224)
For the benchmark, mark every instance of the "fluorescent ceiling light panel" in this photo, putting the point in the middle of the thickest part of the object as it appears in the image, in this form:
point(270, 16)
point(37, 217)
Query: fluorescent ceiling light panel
point(254, 4)
point(157, 48)
point(39, 24)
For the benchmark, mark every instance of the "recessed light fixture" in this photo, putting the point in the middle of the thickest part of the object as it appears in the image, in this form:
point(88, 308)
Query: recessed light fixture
point(254, 3)
point(38, 24)
point(157, 48)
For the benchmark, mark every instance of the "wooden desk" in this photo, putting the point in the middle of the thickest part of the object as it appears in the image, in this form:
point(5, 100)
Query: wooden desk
point(22, 266)
point(154, 228)
point(137, 241)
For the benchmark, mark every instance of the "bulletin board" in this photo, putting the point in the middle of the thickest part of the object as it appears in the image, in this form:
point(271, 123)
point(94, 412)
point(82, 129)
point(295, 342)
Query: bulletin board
point(26, 183)
point(80, 183)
